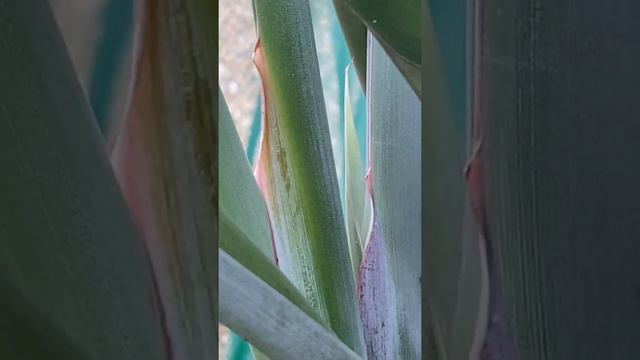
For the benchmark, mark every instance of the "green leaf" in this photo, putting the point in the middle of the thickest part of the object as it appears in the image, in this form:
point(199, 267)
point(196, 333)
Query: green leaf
point(455, 263)
point(242, 207)
point(395, 171)
point(559, 104)
point(258, 302)
point(359, 111)
point(396, 25)
point(166, 160)
point(240, 199)
point(237, 244)
point(297, 169)
point(451, 28)
point(270, 321)
point(355, 187)
point(29, 332)
point(355, 33)
point(333, 57)
point(75, 281)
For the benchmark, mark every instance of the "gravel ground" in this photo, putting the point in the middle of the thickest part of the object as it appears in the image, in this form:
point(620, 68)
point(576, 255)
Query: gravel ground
point(238, 76)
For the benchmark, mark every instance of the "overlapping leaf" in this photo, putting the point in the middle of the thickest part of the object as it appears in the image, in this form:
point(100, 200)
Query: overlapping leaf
point(256, 288)
point(240, 199)
point(395, 24)
point(98, 35)
point(333, 57)
point(389, 279)
point(167, 165)
point(455, 266)
point(296, 168)
point(358, 207)
point(269, 320)
point(74, 278)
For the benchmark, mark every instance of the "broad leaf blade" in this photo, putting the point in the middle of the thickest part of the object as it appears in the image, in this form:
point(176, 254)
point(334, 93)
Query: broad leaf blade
point(355, 34)
point(263, 306)
point(390, 274)
point(23, 322)
point(396, 25)
point(561, 176)
point(376, 297)
point(451, 26)
point(297, 170)
point(455, 263)
point(243, 250)
point(72, 266)
point(240, 199)
point(333, 57)
point(355, 188)
point(167, 164)
point(270, 321)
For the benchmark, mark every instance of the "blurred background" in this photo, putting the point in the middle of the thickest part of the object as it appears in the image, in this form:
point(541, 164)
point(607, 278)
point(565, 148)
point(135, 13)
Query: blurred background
point(238, 77)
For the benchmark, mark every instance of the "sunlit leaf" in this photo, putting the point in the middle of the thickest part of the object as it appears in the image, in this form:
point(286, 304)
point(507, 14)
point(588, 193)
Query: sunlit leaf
point(296, 169)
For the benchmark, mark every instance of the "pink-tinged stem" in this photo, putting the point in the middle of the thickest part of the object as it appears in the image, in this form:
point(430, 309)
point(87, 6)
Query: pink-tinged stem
point(263, 152)
point(128, 163)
